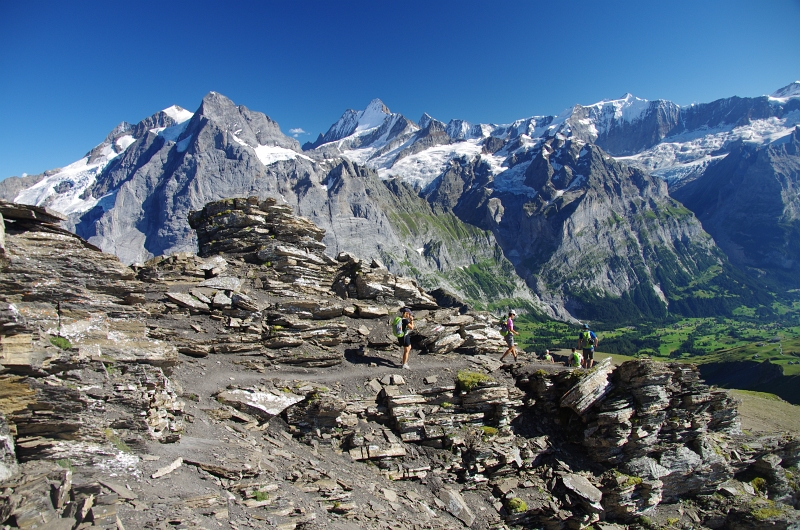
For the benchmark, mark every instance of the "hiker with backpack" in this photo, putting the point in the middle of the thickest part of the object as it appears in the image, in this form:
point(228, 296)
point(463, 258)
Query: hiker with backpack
point(574, 359)
point(508, 331)
point(587, 341)
point(401, 328)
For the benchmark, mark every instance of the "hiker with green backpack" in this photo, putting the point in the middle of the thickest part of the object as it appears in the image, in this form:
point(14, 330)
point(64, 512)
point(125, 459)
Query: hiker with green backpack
point(508, 331)
point(401, 328)
point(575, 360)
point(587, 341)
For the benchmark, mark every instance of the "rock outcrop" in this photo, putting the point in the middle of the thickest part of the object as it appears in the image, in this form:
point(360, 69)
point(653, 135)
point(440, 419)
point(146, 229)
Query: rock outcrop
point(252, 385)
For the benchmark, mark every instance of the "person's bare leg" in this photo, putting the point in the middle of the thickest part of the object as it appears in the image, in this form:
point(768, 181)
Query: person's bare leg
point(406, 352)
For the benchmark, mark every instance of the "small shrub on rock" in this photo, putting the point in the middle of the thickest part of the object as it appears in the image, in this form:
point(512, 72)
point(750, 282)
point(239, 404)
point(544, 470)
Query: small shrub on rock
point(468, 381)
point(759, 484)
point(61, 342)
point(517, 505)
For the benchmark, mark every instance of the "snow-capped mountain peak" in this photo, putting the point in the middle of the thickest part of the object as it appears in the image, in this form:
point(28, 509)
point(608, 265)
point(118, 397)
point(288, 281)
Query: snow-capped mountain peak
point(627, 108)
point(64, 190)
point(373, 116)
point(178, 114)
point(789, 91)
point(658, 135)
point(354, 123)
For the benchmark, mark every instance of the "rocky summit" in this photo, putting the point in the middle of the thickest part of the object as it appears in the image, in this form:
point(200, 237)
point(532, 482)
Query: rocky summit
point(256, 384)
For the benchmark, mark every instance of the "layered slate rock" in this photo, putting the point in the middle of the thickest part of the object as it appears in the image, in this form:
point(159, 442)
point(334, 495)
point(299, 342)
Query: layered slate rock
point(568, 466)
point(534, 445)
point(257, 230)
point(54, 285)
point(262, 273)
point(656, 422)
point(81, 379)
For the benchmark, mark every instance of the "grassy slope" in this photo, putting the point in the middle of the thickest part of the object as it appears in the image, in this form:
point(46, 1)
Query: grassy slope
point(762, 412)
point(488, 282)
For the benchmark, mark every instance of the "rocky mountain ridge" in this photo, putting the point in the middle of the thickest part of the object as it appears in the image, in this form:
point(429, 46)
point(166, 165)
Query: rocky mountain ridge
point(749, 203)
point(256, 385)
point(660, 136)
point(141, 199)
point(497, 186)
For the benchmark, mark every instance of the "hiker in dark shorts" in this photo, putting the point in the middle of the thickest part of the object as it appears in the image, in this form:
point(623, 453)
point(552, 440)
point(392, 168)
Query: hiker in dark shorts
point(512, 348)
point(405, 340)
point(587, 341)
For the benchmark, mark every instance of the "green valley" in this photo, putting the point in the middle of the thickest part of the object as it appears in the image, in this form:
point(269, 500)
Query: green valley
point(755, 349)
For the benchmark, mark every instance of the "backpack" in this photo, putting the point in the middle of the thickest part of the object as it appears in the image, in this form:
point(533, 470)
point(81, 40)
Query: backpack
point(587, 339)
point(397, 327)
point(504, 327)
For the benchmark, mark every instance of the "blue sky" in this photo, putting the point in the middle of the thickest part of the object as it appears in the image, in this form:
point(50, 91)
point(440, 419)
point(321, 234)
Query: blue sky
point(71, 71)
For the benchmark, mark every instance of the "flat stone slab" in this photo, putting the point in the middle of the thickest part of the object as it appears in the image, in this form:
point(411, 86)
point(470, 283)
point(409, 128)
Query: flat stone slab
point(590, 389)
point(371, 311)
point(457, 506)
point(214, 262)
point(11, 210)
point(264, 404)
point(188, 301)
point(581, 486)
point(227, 283)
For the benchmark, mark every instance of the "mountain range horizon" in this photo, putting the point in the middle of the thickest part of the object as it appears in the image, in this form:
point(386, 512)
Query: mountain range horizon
point(574, 212)
point(789, 90)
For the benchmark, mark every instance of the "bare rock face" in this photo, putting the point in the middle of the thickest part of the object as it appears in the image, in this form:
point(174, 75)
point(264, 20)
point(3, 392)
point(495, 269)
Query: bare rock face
point(749, 203)
point(61, 294)
point(81, 380)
